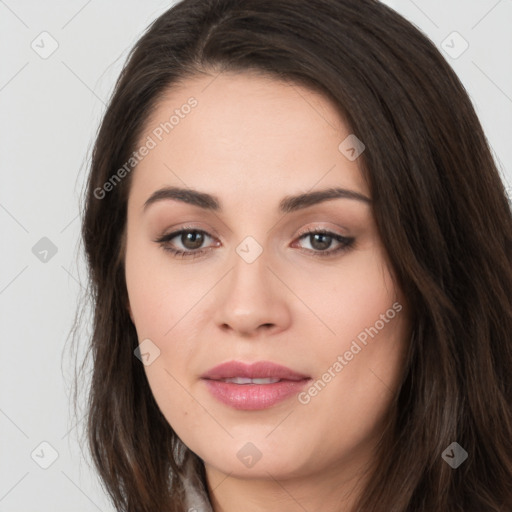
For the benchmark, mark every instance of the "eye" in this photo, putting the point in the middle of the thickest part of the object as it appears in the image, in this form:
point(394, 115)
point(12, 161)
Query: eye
point(191, 241)
point(321, 241)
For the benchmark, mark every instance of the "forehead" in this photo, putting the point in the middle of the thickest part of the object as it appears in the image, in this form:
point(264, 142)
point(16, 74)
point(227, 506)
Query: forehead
point(245, 133)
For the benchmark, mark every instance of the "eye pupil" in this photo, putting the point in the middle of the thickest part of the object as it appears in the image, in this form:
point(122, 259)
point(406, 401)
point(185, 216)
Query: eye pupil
point(192, 239)
point(321, 241)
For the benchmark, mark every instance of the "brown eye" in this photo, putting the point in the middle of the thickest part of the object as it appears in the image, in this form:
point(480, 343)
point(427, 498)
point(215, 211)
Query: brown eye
point(192, 239)
point(320, 241)
point(185, 242)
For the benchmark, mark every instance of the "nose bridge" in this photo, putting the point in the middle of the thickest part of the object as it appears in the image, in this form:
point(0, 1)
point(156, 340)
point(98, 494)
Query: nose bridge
point(249, 280)
point(251, 296)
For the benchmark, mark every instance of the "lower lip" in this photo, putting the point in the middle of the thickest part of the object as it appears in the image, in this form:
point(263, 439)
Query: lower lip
point(251, 397)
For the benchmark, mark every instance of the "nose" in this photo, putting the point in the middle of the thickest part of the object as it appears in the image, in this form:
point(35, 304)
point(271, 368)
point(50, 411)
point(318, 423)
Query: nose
point(252, 300)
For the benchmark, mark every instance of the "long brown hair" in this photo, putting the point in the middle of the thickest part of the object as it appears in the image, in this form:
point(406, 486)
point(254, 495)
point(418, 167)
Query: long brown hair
point(442, 214)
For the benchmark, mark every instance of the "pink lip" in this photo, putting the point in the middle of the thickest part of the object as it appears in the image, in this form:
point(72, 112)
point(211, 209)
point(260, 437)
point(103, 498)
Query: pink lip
point(259, 370)
point(253, 396)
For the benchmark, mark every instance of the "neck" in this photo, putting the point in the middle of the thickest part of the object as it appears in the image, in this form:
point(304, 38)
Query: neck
point(334, 489)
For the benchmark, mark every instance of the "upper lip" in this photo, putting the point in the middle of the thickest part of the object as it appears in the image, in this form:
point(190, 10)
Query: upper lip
point(258, 370)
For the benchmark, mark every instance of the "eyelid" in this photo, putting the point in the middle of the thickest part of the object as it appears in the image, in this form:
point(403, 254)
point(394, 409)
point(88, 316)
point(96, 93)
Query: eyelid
point(188, 227)
point(319, 229)
point(166, 237)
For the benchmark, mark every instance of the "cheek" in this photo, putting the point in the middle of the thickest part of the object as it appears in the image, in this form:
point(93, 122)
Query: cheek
point(364, 352)
point(349, 297)
point(157, 292)
point(159, 303)
point(162, 300)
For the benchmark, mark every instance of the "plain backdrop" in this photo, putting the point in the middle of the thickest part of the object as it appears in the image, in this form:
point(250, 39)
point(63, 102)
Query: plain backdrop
point(59, 61)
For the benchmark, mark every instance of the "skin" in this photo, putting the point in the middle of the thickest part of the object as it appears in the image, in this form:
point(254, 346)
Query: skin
point(251, 141)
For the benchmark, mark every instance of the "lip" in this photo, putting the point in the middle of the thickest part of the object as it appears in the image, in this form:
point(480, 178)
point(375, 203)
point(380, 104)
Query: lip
point(253, 396)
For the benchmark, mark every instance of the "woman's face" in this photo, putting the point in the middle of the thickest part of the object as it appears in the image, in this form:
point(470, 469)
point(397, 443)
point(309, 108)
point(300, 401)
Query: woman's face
point(254, 283)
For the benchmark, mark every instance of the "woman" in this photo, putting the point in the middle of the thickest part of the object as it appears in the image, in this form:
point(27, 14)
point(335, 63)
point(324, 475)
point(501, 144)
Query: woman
point(299, 248)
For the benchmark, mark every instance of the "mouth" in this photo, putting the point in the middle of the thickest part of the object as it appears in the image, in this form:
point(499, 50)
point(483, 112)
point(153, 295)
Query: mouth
point(247, 380)
point(261, 372)
point(253, 386)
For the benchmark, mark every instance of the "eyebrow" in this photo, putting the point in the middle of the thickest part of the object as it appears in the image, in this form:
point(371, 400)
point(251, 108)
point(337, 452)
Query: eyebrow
point(287, 205)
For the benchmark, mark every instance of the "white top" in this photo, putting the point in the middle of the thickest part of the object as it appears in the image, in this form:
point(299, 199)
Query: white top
point(196, 499)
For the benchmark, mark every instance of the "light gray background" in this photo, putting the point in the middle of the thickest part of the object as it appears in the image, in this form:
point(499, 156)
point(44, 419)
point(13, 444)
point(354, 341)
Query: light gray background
point(50, 109)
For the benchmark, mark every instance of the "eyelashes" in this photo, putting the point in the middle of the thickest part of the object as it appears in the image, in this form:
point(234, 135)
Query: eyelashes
point(165, 242)
point(320, 241)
